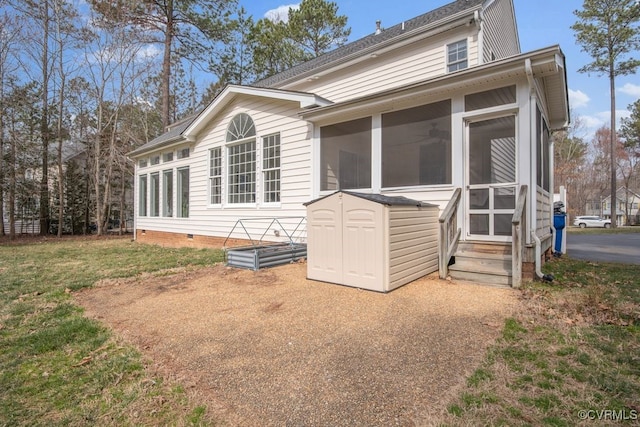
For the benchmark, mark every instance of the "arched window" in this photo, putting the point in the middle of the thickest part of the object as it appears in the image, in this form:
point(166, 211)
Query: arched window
point(241, 127)
point(242, 160)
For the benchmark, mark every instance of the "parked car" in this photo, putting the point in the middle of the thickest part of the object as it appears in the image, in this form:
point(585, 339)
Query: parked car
point(591, 221)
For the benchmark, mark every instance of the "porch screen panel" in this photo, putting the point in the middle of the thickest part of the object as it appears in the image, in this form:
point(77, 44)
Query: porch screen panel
point(492, 151)
point(345, 155)
point(416, 146)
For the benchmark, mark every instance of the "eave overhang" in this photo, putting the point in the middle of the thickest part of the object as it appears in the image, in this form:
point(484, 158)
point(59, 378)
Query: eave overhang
point(192, 127)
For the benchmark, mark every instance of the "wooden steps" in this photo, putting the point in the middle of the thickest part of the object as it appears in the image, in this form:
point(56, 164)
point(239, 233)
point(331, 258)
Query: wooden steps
point(483, 262)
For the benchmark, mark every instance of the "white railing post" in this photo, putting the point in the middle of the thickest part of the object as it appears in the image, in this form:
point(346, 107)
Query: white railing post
point(449, 234)
point(518, 223)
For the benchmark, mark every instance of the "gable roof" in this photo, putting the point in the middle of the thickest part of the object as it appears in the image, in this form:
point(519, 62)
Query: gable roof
point(365, 45)
point(188, 128)
point(621, 192)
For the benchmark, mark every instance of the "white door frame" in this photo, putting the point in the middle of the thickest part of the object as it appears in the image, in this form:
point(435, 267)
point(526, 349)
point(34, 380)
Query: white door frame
point(480, 198)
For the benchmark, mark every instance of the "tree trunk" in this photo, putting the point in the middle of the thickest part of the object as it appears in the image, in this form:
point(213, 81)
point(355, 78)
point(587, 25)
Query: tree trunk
point(614, 200)
point(122, 203)
point(166, 66)
point(12, 187)
point(44, 126)
point(61, 97)
point(2, 161)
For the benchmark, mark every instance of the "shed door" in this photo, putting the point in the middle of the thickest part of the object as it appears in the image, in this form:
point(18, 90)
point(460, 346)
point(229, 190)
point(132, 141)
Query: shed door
point(491, 178)
point(324, 259)
point(363, 239)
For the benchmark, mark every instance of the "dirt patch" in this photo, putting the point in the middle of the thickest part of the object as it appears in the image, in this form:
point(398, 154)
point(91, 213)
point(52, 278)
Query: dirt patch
point(272, 348)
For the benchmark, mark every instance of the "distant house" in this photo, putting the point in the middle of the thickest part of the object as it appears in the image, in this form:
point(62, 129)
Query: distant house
point(442, 108)
point(627, 212)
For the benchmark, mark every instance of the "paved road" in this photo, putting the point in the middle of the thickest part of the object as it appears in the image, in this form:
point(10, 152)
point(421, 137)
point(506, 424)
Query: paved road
point(624, 248)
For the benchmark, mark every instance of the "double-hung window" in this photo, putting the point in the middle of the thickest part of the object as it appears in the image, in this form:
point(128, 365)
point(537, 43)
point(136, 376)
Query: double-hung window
point(215, 176)
point(457, 56)
point(271, 168)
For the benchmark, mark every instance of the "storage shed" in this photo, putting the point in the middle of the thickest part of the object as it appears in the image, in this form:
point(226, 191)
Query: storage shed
point(370, 241)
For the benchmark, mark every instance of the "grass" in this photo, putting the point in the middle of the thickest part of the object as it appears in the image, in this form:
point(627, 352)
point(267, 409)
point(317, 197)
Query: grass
point(58, 367)
point(618, 230)
point(575, 347)
point(571, 356)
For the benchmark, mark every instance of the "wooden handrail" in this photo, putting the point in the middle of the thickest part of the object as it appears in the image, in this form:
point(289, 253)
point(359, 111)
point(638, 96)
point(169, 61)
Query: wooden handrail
point(449, 233)
point(518, 233)
point(522, 200)
point(453, 204)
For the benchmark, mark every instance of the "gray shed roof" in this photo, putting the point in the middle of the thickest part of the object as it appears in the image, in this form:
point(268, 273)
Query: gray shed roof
point(378, 198)
point(371, 41)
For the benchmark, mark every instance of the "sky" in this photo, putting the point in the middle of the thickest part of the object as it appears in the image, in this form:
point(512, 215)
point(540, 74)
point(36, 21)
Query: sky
point(541, 23)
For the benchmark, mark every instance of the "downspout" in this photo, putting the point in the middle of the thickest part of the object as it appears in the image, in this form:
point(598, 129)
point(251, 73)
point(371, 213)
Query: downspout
point(538, 255)
point(477, 18)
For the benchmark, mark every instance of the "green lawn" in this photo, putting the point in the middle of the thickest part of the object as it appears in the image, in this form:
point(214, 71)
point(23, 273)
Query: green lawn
point(572, 357)
point(58, 367)
point(573, 352)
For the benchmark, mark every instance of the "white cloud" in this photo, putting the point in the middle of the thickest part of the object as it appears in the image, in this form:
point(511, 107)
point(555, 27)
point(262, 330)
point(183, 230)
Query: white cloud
point(281, 13)
point(630, 89)
point(591, 123)
point(578, 99)
point(149, 52)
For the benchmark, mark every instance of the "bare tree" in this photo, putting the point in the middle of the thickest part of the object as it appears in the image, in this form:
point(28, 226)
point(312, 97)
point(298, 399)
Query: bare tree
point(115, 63)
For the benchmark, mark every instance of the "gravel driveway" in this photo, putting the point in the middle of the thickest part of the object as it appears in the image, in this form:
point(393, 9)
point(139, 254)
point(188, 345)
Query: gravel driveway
point(272, 348)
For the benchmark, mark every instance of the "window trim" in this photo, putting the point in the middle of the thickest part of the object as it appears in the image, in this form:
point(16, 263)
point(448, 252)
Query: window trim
point(212, 176)
point(458, 60)
point(227, 198)
point(179, 200)
point(264, 169)
point(145, 195)
point(167, 198)
point(154, 190)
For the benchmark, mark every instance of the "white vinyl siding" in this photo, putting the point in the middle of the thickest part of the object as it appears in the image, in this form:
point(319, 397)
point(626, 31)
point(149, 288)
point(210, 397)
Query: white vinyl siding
point(500, 36)
point(416, 62)
point(270, 117)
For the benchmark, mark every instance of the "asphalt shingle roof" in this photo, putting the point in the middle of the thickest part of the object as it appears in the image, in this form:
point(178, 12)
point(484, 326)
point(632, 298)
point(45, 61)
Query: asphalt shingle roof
point(370, 41)
point(329, 59)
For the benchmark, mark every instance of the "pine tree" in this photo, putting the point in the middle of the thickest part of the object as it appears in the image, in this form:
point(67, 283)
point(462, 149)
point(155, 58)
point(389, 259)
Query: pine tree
point(608, 31)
